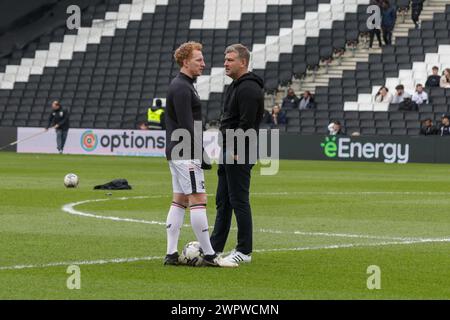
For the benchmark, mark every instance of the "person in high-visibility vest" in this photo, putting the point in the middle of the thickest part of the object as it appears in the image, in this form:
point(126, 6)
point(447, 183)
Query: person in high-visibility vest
point(155, 115)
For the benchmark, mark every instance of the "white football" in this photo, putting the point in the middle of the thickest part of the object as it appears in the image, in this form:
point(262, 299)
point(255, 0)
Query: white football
point(71, 180)
point(192, 254)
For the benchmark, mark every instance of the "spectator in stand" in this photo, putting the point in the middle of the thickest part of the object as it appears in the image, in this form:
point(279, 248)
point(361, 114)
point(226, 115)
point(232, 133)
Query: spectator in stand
point(434, 79)
point(307, 101)
point(267, 117)
point(408, 105)
point(376, 29)
point(400, 94)
point(388, 18)
point(290, 101)
point(416, 10)
point(335, 129)
point(142, 125)
point(420, 97)
point(444, 129)
point(383, 95)
point(428, 129)
point(445, 79)
point(278, 116)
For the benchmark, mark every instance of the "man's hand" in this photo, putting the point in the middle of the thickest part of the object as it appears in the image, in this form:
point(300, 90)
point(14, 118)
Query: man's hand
point(206, 161)
point(56, 126)
point(206, 166)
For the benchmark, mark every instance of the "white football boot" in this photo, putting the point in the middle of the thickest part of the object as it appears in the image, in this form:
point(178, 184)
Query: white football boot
point(238, 257)
point(217, 261)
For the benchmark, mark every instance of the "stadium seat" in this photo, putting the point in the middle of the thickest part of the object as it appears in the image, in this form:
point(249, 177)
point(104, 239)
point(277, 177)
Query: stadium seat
point(120, 60)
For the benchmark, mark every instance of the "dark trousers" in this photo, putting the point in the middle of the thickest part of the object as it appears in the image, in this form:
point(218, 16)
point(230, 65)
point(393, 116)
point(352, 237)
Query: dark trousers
point(415, 14)
point(387, 37)
point(374, 32)
point(233, 194)
point(61, 137)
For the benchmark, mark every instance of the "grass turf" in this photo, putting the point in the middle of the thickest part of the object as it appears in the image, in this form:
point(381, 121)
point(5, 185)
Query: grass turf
point(324, 198)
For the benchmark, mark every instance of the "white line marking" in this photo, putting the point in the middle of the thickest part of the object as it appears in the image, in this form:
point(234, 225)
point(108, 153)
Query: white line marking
point(354, 245)
point(150, 258)
point(92, 262)
point(338, 235)
point(70, 208)
point(352, 193)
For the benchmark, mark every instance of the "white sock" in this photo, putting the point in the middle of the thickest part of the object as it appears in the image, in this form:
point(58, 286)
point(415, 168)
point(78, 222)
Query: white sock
point(199, 223)
point(175, 219)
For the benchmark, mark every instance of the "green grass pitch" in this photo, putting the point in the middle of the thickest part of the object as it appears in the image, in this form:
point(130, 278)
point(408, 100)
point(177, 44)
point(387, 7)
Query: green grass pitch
point(318, 226)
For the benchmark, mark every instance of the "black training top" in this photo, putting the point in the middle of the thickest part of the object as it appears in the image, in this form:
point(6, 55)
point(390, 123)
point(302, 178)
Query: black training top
point(183, 107)
point(433, 81)
point(243, 107)
point(244, 103)
point(59, 117)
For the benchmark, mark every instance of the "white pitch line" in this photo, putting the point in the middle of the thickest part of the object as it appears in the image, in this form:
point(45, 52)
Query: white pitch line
point(68, 263)
point(352, 193)
point(354, 245)
point(70, 208)
point(338, 235)
point(150, 258)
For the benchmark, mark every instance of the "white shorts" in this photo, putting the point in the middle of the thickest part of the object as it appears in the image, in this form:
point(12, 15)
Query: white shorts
point(187, 176)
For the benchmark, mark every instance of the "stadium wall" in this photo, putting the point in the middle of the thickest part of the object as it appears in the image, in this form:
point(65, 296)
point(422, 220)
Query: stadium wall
point(8, 135)
point(147, 143)
point(387, 149)
point(430, 149)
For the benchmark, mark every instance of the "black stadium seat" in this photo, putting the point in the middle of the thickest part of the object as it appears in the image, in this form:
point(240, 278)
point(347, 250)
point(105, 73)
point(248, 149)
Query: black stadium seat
point(112, 83)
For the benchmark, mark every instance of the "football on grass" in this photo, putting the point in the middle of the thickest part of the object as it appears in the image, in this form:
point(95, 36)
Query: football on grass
point(192, 254)
point(71, 180)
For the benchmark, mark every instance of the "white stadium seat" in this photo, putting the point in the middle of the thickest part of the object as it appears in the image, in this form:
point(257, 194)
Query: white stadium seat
point(410, 78)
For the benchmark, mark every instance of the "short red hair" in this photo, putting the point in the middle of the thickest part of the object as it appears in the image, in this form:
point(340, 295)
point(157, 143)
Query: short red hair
point(185, 51)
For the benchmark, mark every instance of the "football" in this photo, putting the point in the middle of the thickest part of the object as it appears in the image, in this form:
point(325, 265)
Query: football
point(192, 254)
point(71, 180)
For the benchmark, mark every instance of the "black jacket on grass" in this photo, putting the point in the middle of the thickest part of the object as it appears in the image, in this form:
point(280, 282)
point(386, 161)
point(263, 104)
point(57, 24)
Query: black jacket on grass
point(117, 184)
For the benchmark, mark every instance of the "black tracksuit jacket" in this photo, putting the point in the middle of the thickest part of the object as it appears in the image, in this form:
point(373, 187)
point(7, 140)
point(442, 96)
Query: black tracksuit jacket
point(59, 117)
point(243, 104)
point(183, 107)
